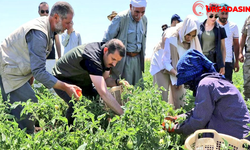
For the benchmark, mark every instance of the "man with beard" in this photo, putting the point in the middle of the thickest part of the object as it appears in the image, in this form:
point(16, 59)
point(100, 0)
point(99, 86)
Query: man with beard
point(23, 55)
point(130, 26)
point(88, 66)
point(231, 43)
point(43, 10)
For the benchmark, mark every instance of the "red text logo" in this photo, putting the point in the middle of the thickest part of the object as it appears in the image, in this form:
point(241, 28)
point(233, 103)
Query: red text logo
point(228, 9)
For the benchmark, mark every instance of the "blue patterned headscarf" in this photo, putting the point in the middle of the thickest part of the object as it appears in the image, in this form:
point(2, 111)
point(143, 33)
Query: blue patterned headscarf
point(192, 65)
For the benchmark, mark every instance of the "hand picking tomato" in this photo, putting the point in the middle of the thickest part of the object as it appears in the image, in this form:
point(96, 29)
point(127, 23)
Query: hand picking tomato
point(79, 93)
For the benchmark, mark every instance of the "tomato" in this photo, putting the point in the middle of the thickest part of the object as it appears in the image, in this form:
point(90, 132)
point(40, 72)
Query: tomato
point(79, 93)
point(130, 144)
point(161, 133)
point(56, 107)
point(161, 142)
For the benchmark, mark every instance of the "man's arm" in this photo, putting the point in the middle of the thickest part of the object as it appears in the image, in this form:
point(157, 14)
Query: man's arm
point(113, 30)
point(58, 45)
point(101, 88)
point(223, 52)
point(236, 52)
point(79, 39)
point(65, 39)
point(242, 45)
point(37, 43)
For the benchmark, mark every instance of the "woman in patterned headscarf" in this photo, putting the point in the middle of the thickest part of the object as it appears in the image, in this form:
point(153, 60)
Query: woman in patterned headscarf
point(177, 40)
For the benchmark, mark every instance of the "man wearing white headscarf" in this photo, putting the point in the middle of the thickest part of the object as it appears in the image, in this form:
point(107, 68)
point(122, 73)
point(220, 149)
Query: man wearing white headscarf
point(130, 26)
point(176, 41)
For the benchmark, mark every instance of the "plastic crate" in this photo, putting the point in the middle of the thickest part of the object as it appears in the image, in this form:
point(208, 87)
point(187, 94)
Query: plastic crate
point(215, 143)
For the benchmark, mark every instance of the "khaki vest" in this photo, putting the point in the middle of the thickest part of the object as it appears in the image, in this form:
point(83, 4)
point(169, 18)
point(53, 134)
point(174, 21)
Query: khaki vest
point(122, 35)
point(14, 54)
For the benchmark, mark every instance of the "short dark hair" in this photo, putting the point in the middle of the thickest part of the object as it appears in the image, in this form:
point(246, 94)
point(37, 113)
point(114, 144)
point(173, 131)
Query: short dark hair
point(116, 44)
point(42, 3)
point(62, 9)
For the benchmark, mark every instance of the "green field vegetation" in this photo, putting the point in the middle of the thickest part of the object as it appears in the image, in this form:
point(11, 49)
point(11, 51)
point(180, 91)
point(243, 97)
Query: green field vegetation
point(139, 127)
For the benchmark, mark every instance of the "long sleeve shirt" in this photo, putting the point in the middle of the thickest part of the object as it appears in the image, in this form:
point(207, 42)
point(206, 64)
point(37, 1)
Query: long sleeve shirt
point(71, 41)
point(134, 35)
point(37, 42)
point(219, 106)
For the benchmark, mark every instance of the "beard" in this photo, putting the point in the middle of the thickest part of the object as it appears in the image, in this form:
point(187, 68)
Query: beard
point(223, 20)
point(59, 27)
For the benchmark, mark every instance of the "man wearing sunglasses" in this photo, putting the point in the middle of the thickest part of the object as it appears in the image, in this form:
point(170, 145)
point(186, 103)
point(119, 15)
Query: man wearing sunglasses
point(231, 42)
point(23, 55)
point(43, 10)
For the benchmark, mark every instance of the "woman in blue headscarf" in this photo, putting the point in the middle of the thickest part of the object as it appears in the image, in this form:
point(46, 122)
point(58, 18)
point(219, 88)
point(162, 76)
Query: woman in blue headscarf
point(218, 103)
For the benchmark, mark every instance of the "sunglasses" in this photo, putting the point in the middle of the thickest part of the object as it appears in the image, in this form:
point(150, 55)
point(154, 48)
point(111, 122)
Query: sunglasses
point(215, 16)
point(43, 11)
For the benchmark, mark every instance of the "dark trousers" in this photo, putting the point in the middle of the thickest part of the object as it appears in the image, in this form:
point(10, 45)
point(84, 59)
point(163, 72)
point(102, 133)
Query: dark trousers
point(88, 92)
point(229, 71)
point(22, 94)
point(4, 95)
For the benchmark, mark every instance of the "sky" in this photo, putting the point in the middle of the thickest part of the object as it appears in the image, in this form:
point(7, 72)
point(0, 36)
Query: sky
point(90, 18)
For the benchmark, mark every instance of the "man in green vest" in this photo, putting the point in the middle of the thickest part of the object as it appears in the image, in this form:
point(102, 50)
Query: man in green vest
point(23, 55)
point(130, 27)
point(87, 64)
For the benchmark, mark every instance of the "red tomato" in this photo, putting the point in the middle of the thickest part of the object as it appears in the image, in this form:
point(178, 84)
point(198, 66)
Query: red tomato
point(79, 92)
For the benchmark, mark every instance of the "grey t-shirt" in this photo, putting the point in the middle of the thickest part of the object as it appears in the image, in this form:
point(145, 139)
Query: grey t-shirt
point(208, 37)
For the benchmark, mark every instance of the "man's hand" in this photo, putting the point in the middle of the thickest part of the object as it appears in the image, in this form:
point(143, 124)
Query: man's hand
point(74, 90)
point(236, 66)
point(241, 57)
point(69, 31)
point(123, 82)
point(68, 88)
point(222, 71)
point(31, 80)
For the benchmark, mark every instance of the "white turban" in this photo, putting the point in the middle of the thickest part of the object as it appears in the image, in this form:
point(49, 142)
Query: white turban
point(138, 3)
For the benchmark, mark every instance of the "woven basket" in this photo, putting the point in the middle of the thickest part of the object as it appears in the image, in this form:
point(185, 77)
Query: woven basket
point(215, 143)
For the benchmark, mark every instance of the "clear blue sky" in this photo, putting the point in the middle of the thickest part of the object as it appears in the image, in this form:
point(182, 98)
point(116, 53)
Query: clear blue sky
point(91, 21)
